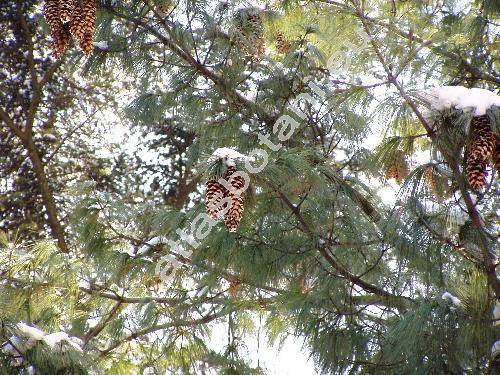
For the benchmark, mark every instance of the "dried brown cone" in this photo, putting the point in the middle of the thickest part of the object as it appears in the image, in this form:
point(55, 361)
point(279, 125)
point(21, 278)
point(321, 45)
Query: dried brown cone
point(259, 51)
point(476, 173)
point(430, 179)
point(436, 184)
point(234, 288)
point(235, 213)
point(77, 25)
point(250, 36)
point(51, 14)
point(214, 194)
point(282, 44)
point(86, 43)
point(398, 167)
point(67, 9)
point(88, 15)
point(482, 140)
point(164, 8)
point(61, 39)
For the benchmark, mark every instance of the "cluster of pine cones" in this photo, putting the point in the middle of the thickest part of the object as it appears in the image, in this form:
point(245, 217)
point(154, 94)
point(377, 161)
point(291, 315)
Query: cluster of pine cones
point(483, 146)
point(397, 168)
point(216, 192)
point(68, 18)
point(249, 33)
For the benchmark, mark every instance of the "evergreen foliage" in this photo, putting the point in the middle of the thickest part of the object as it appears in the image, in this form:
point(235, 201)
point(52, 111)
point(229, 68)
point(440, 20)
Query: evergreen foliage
point(362, 277)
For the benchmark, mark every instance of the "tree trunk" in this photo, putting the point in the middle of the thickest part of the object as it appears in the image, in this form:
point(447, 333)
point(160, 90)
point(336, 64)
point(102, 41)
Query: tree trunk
point(47, 197)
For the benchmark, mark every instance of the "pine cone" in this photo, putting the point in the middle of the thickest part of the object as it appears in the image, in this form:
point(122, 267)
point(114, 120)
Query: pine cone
point(250, 33)
point(61, 40)
point(67, 9)
point(88, 15)
point(77, 25)
point(430, 180)
point(214, 194)
point(476, 173)
point(437, 184)
point(86, 43)
point(51, 14)
point(282, 44)
point(235, 213)
point(398, 167)
point(482, 140)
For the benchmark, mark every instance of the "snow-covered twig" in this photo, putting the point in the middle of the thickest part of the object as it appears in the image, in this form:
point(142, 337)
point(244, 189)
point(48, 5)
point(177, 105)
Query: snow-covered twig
point(150, 244)
point(460, 97)
point(454, 300)
point(27, 336)
point(229, 155)
point(103, 45)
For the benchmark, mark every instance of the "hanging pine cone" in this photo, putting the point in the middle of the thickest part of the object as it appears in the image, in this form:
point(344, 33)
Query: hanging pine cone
point(88, 16)
point(282, 44)
point(476, 173)
point(67, 9)
point(68, 17)
point(249, 35)
point(86, 43)
point(430, 179)
point(51, 14)
point(85, 26)
point(397, 167)
point(77, 26)
point(61, 39)
point(214, 194)
point(235, 213)
point(482, 141)
point(437, 183)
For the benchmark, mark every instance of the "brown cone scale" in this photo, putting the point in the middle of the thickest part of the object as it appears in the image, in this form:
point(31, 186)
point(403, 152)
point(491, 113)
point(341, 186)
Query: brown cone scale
point(250, 35)
point(482, 140)
point(214, 194)
point(476, 173)
point(282, 44)
point(88, 15)
point(61, 40)
point(398, 167)
point(51, 14)
point(86, 43)
point(67, 9)
point(235, 213)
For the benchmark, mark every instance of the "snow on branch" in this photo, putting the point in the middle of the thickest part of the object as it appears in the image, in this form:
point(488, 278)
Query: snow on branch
point(26, 336)
point(229, 155)
point(103, 45)
point(454, 300)
point(150, 244)
point(459, 97)
point(56, 339)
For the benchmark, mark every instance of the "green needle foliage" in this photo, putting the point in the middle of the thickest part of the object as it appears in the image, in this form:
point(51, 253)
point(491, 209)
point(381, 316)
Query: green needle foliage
point(368, 274)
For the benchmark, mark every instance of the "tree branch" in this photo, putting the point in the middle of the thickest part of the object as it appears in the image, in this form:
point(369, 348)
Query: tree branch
point(396, 301)
point(488, 260)
point(46, 191)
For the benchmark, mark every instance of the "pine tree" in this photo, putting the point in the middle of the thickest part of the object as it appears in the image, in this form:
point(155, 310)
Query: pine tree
point(371, 280)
